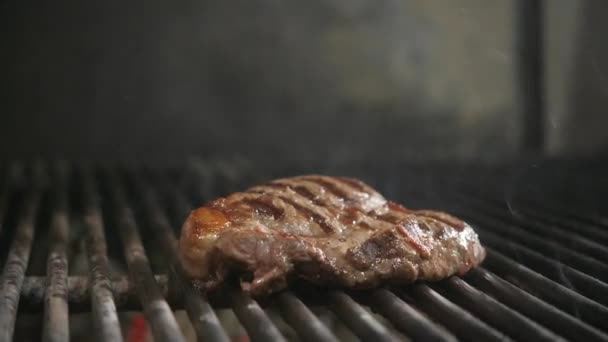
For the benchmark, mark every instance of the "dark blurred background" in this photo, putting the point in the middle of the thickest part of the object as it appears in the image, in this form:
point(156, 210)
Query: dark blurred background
point(161, 80)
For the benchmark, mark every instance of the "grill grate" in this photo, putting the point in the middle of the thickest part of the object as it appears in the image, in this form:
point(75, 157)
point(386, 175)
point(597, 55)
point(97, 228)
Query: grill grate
point(545, 278)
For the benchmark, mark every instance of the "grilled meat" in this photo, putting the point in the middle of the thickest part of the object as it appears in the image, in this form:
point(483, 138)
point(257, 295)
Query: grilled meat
point(332, 231)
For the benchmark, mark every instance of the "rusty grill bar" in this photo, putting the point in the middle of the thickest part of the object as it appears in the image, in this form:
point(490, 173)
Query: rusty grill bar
point(545, 277)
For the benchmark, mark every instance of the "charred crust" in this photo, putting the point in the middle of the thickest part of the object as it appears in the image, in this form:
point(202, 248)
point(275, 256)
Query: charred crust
point(383, 245)
point(316, 217)
point(445, 218)
point(329, 186)
point(357, 247)
point(264, 206)
point(392, 206)
point(354, 184)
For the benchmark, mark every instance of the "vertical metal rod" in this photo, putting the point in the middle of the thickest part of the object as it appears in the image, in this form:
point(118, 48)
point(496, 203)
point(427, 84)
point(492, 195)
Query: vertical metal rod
point(307, 325)
point(531, 76)
point(562, 297)
point(499, 315)
point(538, 310)
point(564, 236)
point(79, 292)
point(459, 321)
point(18, 257)
point(5, 192)
point(56, 317)
point(105, 318)
point(584, 284)
point(360, 321)
point(573, 258)
point(258, 325)
point(407, 319)
point(202, 316)
point(534, 213)
point(158, 313)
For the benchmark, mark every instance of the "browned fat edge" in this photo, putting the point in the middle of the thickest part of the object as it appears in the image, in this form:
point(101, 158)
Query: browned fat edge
point(265, 207)
point(318, 218)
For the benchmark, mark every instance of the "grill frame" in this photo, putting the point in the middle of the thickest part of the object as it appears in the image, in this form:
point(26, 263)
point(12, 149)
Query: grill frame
point(521, 291)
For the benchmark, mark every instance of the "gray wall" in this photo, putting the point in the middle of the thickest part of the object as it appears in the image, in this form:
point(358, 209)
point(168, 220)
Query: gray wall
point(577, 77)
point(156, 79)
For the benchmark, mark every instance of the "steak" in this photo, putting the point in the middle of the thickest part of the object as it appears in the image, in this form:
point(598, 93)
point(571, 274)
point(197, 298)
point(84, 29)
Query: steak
point(331, 231)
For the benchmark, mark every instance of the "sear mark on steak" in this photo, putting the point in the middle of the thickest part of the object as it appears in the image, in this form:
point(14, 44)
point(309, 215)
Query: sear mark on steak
point(331, 231)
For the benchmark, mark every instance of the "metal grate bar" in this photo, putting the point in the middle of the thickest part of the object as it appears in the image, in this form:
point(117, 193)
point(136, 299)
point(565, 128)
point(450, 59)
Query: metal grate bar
point(577, 260)
point(565, 255)
point(78, 292)
point(562, 297)
point(5, 192)
point(497, 314)
point(202, 316)
point(258, 325)
point(591, 231)
point(304, 322)
point(254, 319)
point(298, 315)
point(105, 317)
point(556, 271)
point(525, 236)
point(465, 206)
point(459, 321)
point(538, 310)
point(361, 322)
point(538, 284)
point(528, 207)
point(18, 257)
point(407, 319)
point(157, 311)
point(56, 314)
point(591, 222)
point(567, 238)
